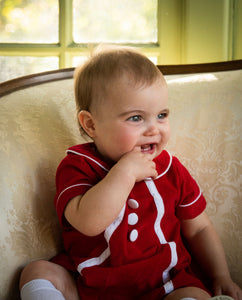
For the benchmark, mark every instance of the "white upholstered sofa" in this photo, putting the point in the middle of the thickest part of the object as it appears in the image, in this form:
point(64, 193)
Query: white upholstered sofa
point(37, 125)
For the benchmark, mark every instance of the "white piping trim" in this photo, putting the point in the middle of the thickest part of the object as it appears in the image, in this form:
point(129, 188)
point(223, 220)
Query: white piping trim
point(111, 228)
point(170, 162)
point(169, 287)
point(95, 261)
point(69, 187)
point(160, 213)
point(160, 210)
point(173, 263)
point(189, 204)
point(77, 153)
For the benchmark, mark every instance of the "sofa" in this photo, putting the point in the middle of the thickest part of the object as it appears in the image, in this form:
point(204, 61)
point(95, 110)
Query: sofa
point(38, 123)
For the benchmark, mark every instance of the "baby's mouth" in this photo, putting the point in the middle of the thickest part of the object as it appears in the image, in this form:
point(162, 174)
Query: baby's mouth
point(148, 148)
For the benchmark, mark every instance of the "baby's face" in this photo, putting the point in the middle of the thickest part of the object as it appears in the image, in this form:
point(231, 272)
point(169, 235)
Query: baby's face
point(132, 118)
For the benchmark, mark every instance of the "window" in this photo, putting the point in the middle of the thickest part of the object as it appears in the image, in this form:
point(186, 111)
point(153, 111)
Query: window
point(115, 21)
point(42, 35)
point(50, 34)
point(29, 21)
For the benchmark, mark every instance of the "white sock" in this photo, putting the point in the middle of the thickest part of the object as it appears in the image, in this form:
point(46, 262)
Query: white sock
point(187, 298)
point(40, 289)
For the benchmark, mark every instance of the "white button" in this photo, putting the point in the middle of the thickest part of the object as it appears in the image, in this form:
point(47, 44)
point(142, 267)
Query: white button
point(133, 235)
point(133, 203)
point(132, 219)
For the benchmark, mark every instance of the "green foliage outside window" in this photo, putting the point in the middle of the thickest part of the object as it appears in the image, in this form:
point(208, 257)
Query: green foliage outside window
point(47, 34)
point(115, 21)
point(29, 21)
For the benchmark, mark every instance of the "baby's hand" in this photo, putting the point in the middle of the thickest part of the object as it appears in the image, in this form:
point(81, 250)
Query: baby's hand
point(225, 286)
point(138, 165)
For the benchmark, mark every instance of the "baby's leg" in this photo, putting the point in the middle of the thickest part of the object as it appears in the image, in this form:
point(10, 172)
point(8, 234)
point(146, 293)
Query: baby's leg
point(188, 292)
point(50, 278)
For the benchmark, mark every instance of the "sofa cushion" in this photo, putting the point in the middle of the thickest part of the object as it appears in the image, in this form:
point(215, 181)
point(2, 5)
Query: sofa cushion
point(38, 124)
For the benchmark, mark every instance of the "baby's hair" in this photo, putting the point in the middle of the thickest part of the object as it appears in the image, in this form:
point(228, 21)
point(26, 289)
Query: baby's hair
point(107, 65)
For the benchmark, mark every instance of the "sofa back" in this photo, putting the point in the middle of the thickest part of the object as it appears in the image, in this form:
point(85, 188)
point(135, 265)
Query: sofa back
point(38, 123)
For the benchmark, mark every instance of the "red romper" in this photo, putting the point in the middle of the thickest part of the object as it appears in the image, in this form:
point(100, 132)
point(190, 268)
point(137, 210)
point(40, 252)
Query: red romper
point(141, 254)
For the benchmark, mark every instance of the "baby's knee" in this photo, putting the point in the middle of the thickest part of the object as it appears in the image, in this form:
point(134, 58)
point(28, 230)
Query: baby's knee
point(188, 293)
point(58, 276)
point(40, 269)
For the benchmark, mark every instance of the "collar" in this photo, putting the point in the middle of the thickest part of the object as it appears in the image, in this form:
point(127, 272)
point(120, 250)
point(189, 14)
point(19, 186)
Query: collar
point(88, 150)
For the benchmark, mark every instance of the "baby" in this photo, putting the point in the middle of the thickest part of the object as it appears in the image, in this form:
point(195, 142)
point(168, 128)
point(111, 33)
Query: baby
point(124, 203)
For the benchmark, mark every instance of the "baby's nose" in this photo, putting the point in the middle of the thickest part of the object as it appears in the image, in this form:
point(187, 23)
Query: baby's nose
point(152, 129)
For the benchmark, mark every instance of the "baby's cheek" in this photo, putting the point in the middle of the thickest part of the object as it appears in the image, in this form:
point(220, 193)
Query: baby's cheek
point(167, 132)
point(127, 139)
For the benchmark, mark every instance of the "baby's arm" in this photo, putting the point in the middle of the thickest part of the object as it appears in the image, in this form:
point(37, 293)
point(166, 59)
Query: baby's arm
point(93, 212)
point(206, 246)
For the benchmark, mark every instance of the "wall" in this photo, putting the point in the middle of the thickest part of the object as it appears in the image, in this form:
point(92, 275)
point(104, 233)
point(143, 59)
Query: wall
point(197, 31)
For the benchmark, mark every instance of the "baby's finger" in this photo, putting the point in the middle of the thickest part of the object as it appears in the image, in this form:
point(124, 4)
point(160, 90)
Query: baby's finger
point(152, 176)
point(136, 149)
point(155, 174)
point(217, 290)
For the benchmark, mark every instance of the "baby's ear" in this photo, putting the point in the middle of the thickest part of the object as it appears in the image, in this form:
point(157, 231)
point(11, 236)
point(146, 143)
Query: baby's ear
point(87, 122)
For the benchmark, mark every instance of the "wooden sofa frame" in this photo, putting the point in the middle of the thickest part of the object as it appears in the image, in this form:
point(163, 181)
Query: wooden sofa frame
point(67, 73)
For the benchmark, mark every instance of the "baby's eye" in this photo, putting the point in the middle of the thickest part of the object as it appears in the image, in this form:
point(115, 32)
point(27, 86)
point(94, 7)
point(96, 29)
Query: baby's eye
point(162, 116)
point(136, 118)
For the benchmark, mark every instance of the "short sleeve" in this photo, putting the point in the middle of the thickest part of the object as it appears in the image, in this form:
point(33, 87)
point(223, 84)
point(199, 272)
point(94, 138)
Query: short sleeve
point(75, 176)
point(191, 201)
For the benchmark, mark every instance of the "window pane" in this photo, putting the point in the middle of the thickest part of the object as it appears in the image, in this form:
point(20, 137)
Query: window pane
point(154, 59)
point(115, 21)
point(15, 66)
point(29, 21)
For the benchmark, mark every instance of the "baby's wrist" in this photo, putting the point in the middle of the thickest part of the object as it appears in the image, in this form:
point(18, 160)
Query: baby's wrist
point(123, 173)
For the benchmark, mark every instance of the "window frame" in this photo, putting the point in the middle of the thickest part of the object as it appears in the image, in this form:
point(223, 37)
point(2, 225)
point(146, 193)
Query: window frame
point(66, 48)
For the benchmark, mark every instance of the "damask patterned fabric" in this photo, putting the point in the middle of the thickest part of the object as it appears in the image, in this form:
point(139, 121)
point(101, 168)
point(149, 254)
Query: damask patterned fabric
point(38, 124)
